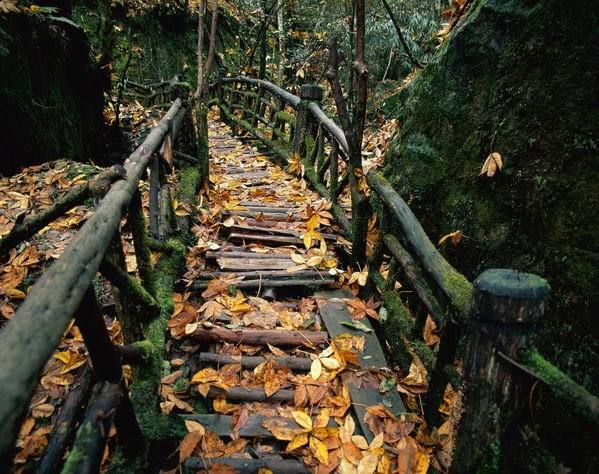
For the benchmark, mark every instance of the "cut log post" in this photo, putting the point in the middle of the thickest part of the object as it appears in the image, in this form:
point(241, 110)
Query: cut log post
point(88, 448)
point(165, 213)
point(154, 195)
point(257, 337)
point(66, 424)
point(137, 225)
point(506, 304)
point(333, 171)
point(25, 227)
point(308, 93)
point(294, 363)
point(251, 394)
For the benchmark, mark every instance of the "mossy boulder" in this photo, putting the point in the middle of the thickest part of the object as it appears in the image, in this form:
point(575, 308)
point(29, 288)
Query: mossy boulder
point(51, 93)
point(517, 77)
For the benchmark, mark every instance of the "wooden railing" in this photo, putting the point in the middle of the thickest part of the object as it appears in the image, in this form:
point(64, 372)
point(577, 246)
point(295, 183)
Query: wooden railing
point(496, 315)
point(65, 291)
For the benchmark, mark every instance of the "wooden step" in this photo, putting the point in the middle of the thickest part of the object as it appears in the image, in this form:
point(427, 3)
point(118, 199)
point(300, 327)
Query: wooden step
point(221, 424)
point(260, 337)
point(240, 263)
point(274, 230)
point(249, 466)
point(272, 283)
point(235, 252)
point(251, 362)
point(251, 394)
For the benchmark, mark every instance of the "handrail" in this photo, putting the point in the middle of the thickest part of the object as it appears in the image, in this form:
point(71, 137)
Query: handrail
point(288, 97)
point(450, 281)
point(30, 337)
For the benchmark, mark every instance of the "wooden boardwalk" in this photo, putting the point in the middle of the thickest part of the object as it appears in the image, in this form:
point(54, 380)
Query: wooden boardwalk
point(285, 348)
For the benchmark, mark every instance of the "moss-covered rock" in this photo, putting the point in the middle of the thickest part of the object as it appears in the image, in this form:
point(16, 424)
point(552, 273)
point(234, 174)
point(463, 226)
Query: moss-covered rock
point(517, 77)
point(51, 93)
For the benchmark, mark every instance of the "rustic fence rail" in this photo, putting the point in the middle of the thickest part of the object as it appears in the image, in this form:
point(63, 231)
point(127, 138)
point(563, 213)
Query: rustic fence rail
point(496, 315)
point(65, 291)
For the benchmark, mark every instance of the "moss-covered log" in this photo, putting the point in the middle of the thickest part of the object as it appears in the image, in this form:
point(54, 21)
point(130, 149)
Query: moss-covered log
point(453, 284)
point(574, 395)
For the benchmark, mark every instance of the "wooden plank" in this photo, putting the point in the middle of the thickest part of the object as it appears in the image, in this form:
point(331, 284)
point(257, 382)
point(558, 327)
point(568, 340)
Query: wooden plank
point(258, 337)
point(251, 394)
point(247, 254)
point(294, 363)
point(271, 274)
point(273, 283)
point(276, 216)
point(271, 239)
point(237, 263)
point(275, 230)
point(333, 311)
point(249, 466)
point(221, 424)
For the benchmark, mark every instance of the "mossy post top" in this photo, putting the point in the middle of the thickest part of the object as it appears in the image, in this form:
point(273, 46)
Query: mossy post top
point(312, 92)
point(509, 296)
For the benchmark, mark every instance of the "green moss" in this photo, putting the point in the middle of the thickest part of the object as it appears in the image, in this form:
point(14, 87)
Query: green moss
point(286, 117)
point(575, 396)
point(460, 292)
point(492, 461)
point(181, 384)
point(78, 453)
point(147, 349)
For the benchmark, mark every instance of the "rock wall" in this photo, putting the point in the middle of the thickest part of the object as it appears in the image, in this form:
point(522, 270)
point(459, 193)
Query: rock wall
point(51, 95)
point(517, 77)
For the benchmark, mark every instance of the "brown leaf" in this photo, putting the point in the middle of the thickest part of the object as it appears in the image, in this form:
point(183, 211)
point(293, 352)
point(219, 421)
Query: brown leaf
point(189, 443)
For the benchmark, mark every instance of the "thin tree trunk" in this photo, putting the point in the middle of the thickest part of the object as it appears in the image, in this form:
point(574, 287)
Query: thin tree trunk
point(262, 68)
point(281, 28)
point(212, 46)
point(201, 8)
point(402, 39)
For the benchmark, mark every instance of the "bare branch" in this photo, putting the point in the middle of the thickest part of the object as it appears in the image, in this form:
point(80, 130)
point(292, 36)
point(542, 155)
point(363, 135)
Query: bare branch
point(333, 78)
point(402, 39)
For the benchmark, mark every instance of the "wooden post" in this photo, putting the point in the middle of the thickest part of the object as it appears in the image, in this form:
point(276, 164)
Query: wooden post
point(127, 309)
point(154, 191)
point(506, 304)
point(106, 362)
point(308, 93)
point(137, 225)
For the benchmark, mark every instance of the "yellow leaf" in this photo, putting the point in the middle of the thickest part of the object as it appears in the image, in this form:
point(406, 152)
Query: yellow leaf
point(330, 363)
point(378, 440)
point(319, 449)
point(192, 425)
point(491, 165)
point(347, 430)
point(316, 369)
point(302, 419)
point(368, 464)
point(322, 419)
point(360, 442)
point(298, 442)
point(346, 467)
